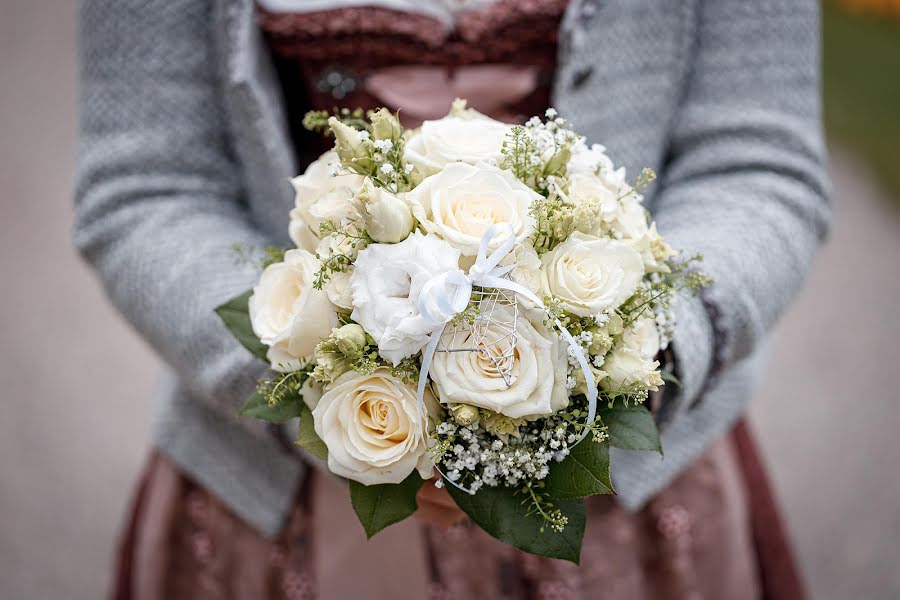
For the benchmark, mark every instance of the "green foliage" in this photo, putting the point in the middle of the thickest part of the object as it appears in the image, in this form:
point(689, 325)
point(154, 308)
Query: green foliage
point(510, 517)
point(631, 427)
point(317, 120)
point(585, 472)
point(283, 386)
point(272, 255)
point(235, 314)
point(308, 438)
point(860, 63)
point(378, 506)
point(258, 407)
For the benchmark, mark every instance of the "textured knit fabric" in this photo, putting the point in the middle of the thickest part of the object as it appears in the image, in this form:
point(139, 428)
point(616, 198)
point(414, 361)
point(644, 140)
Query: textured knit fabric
point(185, 152)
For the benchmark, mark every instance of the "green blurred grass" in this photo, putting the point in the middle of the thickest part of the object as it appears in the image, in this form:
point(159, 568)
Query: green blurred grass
point(861, 70)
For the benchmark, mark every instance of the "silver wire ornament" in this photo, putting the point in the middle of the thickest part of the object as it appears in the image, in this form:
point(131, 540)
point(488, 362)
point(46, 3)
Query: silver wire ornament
point(489, 329)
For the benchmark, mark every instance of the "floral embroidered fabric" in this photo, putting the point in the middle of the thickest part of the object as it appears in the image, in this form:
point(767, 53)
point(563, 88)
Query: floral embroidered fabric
point(692, 541)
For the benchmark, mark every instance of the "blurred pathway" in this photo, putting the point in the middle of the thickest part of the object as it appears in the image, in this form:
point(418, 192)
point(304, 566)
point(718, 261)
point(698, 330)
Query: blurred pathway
point(76, 384)
point(829, 412)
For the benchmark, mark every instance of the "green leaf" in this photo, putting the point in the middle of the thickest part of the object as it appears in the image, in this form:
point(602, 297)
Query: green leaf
point(284, 411)
point(308, 438)
point(236, 316)
point(378, 506)
point(631, 428)
point(505, 516)
point(584, 472)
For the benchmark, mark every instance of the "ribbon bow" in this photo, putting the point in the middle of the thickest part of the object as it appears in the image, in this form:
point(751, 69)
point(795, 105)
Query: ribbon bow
point(445, 295)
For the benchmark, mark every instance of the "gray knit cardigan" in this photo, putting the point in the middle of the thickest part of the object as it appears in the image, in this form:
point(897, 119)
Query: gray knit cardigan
point(184, 152)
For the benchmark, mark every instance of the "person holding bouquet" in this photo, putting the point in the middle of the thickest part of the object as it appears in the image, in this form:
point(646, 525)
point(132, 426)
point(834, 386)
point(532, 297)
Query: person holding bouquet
point(192, 124)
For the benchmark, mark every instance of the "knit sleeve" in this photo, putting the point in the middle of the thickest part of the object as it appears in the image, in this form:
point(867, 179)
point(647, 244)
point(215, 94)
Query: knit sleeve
point(746, 182)
point(158, 195)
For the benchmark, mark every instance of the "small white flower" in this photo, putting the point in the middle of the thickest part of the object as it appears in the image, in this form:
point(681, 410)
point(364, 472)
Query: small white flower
point(384, 145)
point(387, 168)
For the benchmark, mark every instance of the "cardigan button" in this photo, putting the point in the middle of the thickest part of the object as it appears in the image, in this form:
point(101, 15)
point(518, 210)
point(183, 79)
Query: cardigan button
point(581, 76)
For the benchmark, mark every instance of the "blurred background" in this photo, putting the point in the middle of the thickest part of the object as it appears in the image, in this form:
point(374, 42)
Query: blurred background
point(77, 383)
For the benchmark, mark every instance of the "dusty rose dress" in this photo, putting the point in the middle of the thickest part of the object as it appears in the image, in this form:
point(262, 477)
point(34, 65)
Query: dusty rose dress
point(713, 533)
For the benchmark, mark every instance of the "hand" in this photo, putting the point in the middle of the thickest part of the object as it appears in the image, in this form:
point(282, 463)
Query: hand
point(436, 507)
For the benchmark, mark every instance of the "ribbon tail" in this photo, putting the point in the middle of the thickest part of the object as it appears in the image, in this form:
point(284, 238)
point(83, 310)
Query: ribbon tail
point(588, 379)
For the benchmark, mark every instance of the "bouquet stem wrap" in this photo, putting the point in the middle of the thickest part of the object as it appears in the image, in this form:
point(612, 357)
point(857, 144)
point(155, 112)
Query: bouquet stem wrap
point(446, 295)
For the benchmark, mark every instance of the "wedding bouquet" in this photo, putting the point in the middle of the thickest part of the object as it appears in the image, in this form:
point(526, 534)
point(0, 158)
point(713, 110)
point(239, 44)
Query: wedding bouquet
point(470, 300)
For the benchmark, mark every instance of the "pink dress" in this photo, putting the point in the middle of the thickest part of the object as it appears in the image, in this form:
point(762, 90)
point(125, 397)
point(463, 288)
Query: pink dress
point(706, 535)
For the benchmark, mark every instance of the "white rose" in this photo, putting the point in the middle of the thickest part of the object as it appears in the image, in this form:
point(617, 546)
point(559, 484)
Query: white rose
point(464, 136)
point(535, 358)
point(372, 428)
point(461, 202)
point(321, 196)
point(642, 336)
point(590, 275)
point(388, 218)
point(287, 313)
point(386, 282)
point(338, 290)
point(626, 368)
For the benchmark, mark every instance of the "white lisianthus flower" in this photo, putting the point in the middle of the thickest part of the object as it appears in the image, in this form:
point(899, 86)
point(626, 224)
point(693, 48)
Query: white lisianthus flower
point(590, 275)
point(386, 282)
point(461, 202)
point(642, 336)
point(387, 217)
point(287, 313)
point(462, 136)
point(372, 428)
point(321, 196)
point(535, 359)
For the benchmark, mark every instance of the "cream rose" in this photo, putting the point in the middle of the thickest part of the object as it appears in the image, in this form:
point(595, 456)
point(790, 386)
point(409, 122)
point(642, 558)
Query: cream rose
point(590, 275)
point(319, 197)
point(338, 290)
point(535, 358)
point(642, 336)
point(653, 250)
point(372, 428)
point(462, 136)
point(287, 313)
point(626, 368)
point(461, 202)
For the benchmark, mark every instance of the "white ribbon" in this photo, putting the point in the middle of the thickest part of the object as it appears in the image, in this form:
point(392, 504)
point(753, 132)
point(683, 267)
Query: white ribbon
point(446, 295)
